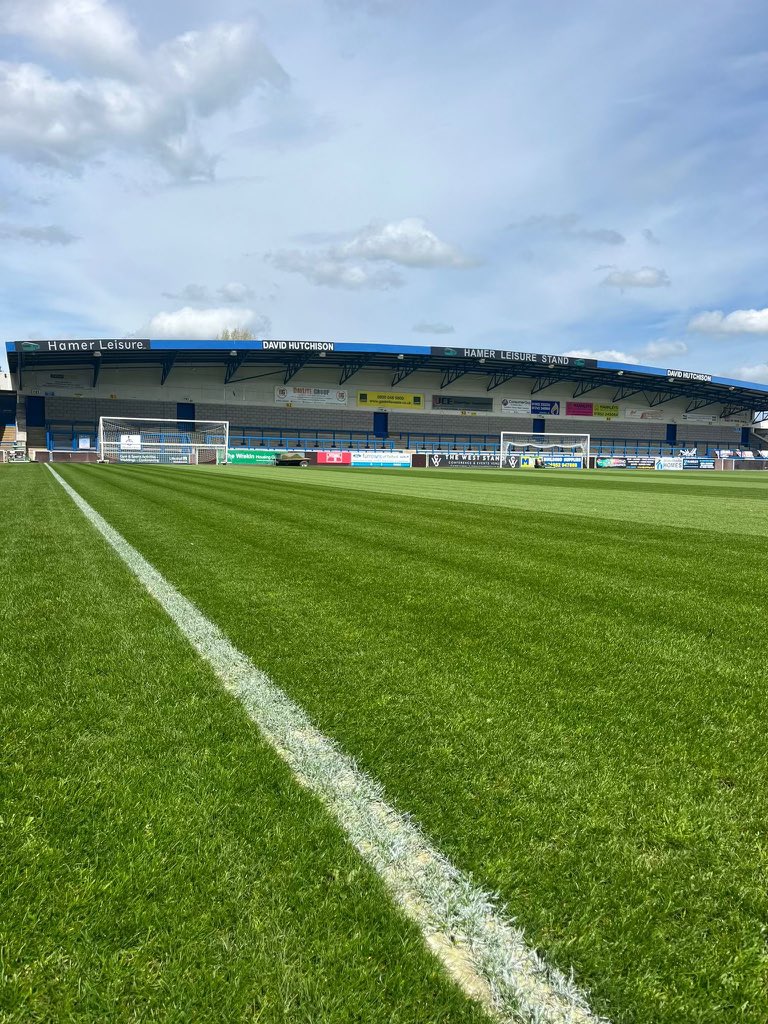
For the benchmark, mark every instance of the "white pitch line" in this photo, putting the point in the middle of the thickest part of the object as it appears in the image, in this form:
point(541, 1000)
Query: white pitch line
point(481, 949)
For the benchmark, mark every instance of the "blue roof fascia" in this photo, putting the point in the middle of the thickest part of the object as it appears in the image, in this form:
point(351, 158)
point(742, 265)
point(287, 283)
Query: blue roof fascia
point(652, 371)
point(729, 382)
point(201, 346)
point(217, 345)
point(657, 371)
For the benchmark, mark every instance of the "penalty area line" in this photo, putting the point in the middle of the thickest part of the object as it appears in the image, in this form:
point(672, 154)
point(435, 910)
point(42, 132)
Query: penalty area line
point(481, 948)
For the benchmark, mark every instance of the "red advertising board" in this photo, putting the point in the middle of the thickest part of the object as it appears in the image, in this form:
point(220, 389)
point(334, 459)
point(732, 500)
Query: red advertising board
point(334, 458)
point(578, 408)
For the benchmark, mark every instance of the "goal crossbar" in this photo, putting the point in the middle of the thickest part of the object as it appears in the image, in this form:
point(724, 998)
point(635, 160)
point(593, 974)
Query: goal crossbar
point(169, 441)
point(546, 443)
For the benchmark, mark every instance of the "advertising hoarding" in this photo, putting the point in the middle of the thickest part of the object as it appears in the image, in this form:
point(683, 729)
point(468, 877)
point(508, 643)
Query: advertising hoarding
point(625, 462)
point(515, 407)
point(251, 456)
point(539, 408)
point(470, 460)
point(578, 409)
point(376, 460)
point(550, 460)
point(608, 412)
point(461, 403)
point(334, 458)
point(390, 400)
point(285, 395)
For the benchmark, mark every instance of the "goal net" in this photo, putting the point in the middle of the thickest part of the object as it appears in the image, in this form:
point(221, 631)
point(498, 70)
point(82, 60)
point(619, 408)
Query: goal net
point(170, 442)
point(565, 451)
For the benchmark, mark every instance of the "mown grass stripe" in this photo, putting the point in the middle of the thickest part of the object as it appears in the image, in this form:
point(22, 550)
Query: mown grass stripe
point(482, 950)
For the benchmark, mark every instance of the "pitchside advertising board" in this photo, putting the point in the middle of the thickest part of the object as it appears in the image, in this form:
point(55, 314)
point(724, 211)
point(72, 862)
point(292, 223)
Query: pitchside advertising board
point(469, 460)
point(490, 460)
point(666, 463)
point(251, 456)
point(365, 460)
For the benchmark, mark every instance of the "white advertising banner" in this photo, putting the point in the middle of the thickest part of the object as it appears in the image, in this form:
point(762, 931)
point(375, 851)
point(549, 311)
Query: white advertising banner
point(63, 380)
point(739, 420)
point(645, 414)
point(381, 459)
point(699, 417)
point(515, 407)
point(285, 395)
point(667, 462)
point(130, 442)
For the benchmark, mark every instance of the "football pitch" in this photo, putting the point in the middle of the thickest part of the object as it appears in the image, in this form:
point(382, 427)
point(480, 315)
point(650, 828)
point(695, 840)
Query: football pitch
point(558, 676)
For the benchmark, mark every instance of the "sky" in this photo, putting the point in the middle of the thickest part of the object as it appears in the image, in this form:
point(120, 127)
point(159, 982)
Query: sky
point(560, 177)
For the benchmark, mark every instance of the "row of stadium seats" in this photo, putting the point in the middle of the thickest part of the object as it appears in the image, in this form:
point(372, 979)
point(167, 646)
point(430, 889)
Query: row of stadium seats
point(67, 435)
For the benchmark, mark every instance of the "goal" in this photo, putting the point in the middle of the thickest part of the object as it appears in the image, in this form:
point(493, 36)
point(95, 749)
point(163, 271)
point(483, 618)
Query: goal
point(170, 442)
point(564, 451)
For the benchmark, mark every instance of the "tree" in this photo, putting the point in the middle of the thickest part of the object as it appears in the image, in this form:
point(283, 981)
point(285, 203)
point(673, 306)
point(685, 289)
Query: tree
point(235, 334)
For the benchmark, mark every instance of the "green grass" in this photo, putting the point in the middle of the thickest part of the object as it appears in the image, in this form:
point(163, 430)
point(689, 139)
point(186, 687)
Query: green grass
point(158, 861)
point(560, 675)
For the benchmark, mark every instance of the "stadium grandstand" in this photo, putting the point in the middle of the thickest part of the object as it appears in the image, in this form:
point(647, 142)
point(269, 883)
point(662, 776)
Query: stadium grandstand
point(317, 396)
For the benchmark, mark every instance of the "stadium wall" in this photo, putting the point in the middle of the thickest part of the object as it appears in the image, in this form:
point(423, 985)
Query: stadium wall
point(137, 391)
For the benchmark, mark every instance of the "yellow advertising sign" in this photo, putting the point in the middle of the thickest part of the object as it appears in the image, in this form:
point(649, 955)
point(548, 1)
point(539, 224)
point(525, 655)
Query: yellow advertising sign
point(608, 412)
point(390, 399)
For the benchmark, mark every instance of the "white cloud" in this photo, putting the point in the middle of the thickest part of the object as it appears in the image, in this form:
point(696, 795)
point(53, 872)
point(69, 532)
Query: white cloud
point(324, 269)
point(144, 104)
point(611, 355)
point(657, 349)
point(740, 321)
point(645, 277)
point(215, 68)
point(50, 234)
point(433, 328)
point(203, 324)
point(568, 225)
point(758, 374)
point(198, 294)
point(93, 32)
point(403, 243)
point(408, 242)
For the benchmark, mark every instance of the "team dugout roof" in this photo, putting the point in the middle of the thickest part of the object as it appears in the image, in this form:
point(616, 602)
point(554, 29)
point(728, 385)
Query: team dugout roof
point(241, 360)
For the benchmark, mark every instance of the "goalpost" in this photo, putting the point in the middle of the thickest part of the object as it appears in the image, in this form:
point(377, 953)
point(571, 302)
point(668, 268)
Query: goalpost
point(566, 451)
point(170, 442)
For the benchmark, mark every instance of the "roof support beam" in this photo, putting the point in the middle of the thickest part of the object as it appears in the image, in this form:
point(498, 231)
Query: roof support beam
point(96, 369)
point(732, 410)
point(541, 383)
point(585, 386)
point(452, 374)
point(168, 362)
point(352, 366)
point(625, 392)
point(661, 397)
point(500, 377)
point(699, 403)
point(293, 366)
point(407, 368)
point(234, 363)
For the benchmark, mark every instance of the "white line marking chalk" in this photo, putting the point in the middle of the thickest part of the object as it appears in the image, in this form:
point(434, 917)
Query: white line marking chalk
point(483, 951)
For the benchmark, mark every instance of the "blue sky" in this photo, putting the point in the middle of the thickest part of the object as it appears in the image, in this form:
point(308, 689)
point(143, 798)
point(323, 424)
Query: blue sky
point(555, 177)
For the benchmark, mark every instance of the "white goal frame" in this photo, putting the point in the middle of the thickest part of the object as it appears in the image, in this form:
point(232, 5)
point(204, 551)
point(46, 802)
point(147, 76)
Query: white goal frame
point(164, 441)
point(545, 443)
